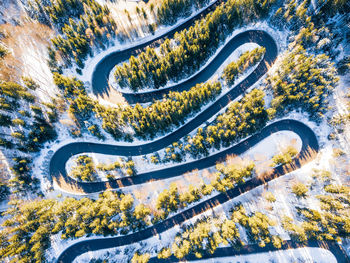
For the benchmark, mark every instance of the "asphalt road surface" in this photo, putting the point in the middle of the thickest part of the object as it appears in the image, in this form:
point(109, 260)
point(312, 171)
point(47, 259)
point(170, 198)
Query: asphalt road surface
point(309, 150)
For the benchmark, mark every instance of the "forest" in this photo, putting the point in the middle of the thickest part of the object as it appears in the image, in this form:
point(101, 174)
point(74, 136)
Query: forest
point(82, 26)
point(190, 48)
point(246, 60)
point(303, 81)
point(169, 11)
point(241, 119)
point(26, 125)
point(84, 169)
point(30, 224)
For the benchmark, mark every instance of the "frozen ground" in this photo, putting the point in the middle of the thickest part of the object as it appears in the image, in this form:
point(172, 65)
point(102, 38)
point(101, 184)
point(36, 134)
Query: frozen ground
point(253, 200)
point(261, 154)
point(306, 255)
point(279, 36)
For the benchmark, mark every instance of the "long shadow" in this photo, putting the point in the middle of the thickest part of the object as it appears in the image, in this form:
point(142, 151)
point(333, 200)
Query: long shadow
point(309, 149)
point(61, 156)
point(103, 68)
point(58, 172)
point(308, 152)
point(332, 246)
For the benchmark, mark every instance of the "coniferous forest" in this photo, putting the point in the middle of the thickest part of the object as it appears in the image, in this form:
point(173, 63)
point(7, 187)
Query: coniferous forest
point(131, 131)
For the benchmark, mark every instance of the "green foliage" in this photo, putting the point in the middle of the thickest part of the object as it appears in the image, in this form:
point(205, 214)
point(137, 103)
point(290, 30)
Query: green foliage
point(25, 124)
point(28, 226)
point(140, 258)
point(293, 15)
point(126, 203)
point(304, 82)
point(82, 24)
point(227, 178)
point(161, 115)
point(206, 235)
point(109, 167)
point(257, 225)
point(141, 212)
point(270, 197)
point(232, 174)
point(246, 60)
point(21, 170)
point(84, 169)
point(297, 232)
point(95, 130)
point(121, 166)
point(299, 189)
point(81, 107)
point(192, 48)
point(168, 200)
point(170, 11)
point(30, 83)
point(229, 232)
point(198, 238)
point(164, 253)
point(242, 118)
point(193, 194)
point(285, 157)
point(71, 87)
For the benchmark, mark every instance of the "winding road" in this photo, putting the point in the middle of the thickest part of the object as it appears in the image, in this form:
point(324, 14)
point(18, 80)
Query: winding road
point(101, 72)
point(61, 156)
point(333, 247)
point(308, 151)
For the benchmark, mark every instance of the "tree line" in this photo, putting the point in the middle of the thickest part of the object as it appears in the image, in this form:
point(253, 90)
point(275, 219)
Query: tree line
point(161, 115)
point(245, 61)
point(26, 125)
point(241, 119)
point(169, 11)
point(82, 25)
point(227, 177)
point(190, 48)
point(85, 170)
point(207, 234)
point(329, 223)
point(146, 122)
point(30, 224)
point(303, 81)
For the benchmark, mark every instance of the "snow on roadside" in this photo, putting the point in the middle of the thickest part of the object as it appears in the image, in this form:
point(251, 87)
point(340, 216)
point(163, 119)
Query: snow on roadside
point(260, 154)
point(154, 244)
point(279, 36)
point(65, 138)
point(91, 62)
point(306, 254)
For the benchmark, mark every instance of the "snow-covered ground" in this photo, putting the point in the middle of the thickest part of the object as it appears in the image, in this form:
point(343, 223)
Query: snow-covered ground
point(253, 201)
point(261, 154)
point(117, 46)
point(306, 255)
point(279, 36)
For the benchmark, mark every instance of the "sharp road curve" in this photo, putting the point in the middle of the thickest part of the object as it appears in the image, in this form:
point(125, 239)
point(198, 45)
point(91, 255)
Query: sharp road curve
point(308, 151)
point(61, 156)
